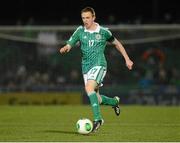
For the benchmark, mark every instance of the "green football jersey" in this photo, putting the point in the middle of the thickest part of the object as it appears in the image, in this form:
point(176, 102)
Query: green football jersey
point(93, 44)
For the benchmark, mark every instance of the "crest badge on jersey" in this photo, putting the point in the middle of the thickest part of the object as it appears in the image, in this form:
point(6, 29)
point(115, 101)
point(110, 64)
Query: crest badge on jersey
point(98, 36)
point(85, 37)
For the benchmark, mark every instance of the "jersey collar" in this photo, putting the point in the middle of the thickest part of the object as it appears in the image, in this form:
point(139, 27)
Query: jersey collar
point(92, 31)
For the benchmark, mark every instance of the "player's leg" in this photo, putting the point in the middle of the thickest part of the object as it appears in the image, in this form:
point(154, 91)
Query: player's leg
point(109, 101)
point(114, 102)
point(105, 100)
point(92, 79)
point(89, 87)
point(98, 121)
point(98, 95)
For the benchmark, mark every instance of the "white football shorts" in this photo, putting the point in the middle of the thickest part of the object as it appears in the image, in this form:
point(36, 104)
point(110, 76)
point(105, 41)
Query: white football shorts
point(96, 73)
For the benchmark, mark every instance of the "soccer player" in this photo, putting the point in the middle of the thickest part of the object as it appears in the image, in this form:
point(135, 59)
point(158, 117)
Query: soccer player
point(93, 39)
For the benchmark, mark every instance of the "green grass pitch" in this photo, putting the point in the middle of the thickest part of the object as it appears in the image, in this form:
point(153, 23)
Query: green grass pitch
point(57, 123)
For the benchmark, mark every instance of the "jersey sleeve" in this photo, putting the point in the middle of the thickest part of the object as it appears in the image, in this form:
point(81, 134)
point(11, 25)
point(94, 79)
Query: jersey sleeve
point(109, 36)
point(74, 38)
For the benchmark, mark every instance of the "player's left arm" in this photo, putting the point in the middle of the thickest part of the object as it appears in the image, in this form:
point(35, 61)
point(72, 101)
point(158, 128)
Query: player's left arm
point(122, 50)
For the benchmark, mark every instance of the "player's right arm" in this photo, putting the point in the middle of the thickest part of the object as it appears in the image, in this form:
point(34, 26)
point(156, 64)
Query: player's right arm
point(65, 49)
point(71, 42)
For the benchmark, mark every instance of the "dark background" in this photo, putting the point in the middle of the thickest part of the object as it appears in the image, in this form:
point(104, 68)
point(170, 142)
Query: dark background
point(30, 61)
point(57, 12)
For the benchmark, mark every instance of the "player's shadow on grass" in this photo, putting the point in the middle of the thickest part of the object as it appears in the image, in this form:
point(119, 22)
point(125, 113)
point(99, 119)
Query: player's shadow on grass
point(60, 132)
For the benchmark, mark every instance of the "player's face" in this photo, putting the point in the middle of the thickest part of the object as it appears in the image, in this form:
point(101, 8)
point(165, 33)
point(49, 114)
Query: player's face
point(88, 19)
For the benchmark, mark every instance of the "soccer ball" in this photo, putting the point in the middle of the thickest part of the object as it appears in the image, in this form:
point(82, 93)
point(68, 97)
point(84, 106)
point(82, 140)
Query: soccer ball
point(84, 126)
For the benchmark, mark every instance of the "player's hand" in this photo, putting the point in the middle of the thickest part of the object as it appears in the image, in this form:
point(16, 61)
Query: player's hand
point(129, 64)
point(65, 49)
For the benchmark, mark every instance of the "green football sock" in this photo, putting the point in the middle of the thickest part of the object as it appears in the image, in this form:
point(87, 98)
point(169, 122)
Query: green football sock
point(108, 101)
point(95, 106)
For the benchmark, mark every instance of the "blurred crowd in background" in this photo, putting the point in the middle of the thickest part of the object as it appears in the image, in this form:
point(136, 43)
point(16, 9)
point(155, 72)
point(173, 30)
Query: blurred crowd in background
point(38, 65)
point(32, 61)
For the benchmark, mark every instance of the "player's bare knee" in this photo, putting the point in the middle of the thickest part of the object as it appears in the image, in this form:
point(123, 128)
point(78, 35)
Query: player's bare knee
point(89, 89)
